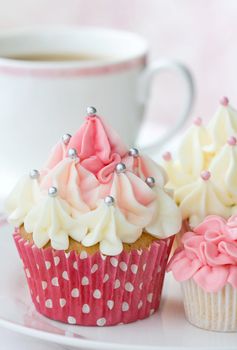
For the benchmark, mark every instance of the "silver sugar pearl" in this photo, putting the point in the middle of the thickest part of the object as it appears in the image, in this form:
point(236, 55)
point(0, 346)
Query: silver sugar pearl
point(52, 191)
point(72, 153)
point(150, 181)
point(34, 174)
point(66, 138)
point(133, 152)
point(91, 111)
point(109, 200)
point(120, 168)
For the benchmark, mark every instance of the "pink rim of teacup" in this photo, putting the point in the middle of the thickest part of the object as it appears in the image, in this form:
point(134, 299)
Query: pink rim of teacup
point(70, 72)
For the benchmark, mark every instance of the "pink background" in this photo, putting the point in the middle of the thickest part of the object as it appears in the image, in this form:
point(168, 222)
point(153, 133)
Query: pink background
point(201, 33)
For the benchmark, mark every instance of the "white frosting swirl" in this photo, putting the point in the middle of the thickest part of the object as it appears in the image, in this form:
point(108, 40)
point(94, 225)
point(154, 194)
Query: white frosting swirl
point(222, 126)
point(21, 199)
point(224, 171)
point(202, 198)
point(191, 156)
point(166, 215)
point(108, 226)
point(51, 220)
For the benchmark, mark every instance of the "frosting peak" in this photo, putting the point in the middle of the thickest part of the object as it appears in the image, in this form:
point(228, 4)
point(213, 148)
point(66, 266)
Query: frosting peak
point(106, 147)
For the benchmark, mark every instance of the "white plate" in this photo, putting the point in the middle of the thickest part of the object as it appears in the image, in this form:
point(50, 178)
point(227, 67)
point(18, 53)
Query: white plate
point(166, 329)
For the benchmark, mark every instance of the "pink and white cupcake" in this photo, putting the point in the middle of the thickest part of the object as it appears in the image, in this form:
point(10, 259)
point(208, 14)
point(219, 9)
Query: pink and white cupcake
point(205, 188)
point(94, 228)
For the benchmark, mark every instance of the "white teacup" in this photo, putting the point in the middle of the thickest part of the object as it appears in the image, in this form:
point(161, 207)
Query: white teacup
point(49, 76)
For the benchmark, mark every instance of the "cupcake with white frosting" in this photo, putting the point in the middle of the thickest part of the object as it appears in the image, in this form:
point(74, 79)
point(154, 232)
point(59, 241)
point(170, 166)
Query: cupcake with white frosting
point(205, 263)
point(203, 174)
point(94, 228)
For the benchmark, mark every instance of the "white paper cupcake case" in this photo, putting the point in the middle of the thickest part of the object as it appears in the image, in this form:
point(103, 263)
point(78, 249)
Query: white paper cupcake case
point(210, 311)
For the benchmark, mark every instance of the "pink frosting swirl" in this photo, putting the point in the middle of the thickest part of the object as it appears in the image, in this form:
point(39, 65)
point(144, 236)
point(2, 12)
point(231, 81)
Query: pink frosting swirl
point(208, 254)
point(98, 146)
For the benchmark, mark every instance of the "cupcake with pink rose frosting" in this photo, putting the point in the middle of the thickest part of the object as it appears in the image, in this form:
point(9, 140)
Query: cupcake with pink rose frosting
point(204, 181)
point(206, 267)
point(94, 228)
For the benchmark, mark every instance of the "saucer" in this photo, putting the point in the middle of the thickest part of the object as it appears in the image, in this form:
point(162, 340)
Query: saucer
point(166, 329)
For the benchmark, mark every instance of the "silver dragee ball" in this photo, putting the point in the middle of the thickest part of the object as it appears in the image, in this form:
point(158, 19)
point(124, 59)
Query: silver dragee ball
point(52, 191)
point(34, 174)
point(150, 181)
point(91, 111)
point(109, 200)
point(120, 168)
point(72, 153)
point(66, 138)
point(133, 152)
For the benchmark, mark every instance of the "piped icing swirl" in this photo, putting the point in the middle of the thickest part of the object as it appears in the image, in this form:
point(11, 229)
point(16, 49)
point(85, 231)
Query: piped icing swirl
point(213, 149)
point(208, 254)
point(94, 190)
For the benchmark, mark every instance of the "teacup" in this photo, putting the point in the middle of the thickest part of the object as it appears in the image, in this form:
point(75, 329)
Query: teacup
point(49, 76)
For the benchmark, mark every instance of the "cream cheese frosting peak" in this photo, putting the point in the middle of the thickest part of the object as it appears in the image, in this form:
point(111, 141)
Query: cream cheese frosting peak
point(94, 190)
point(23, 196)
point(222, 125)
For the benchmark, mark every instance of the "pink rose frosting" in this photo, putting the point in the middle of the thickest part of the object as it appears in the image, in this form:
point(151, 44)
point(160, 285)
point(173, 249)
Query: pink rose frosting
point(208, 254)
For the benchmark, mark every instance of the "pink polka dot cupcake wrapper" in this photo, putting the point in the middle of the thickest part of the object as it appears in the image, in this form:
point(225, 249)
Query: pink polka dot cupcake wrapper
point(94, 289)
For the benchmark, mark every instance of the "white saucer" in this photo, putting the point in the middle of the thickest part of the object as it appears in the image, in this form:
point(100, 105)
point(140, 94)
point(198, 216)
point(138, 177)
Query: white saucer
point(166, 329)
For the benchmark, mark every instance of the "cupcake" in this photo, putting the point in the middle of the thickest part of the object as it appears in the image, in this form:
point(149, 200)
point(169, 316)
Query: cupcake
point(206, 267)
point(204, 181)
point(94, 228)
point(203, 174)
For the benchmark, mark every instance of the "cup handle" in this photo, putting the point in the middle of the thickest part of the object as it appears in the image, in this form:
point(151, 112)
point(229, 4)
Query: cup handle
point(144, 85)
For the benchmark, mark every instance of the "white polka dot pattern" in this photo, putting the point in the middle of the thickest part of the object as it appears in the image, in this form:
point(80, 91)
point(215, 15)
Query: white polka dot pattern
point(139, 306)
point(129, 287)
point(65, 275)
point(149, 297)
point(47, 265)
point(71, 320)
point(94, 268)
point(49, 303)
point(55, 281)
point(114, 262)
point(125, 306)
point(56, 260)
point(86, 309)
point(134, 268)
point(44, 285)
point(75, 293)
point(62, 302)
point(110, 304)
point(83, 255)
point(116, 284)
point(85, 281)
point(75, 265)
point(101, 322)
point(27, 273)
point(106, 278)
point(97, 294)
point(95, 290)
point(123, 266)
